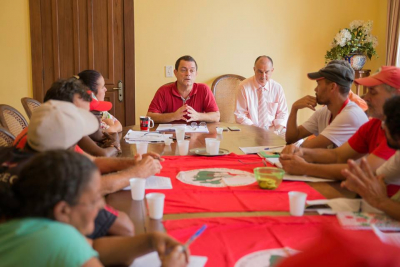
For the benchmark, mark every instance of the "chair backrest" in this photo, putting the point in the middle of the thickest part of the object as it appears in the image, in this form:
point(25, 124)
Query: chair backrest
point(6, 138)
point(225, 89)
point(12, 120)
point(29, 105)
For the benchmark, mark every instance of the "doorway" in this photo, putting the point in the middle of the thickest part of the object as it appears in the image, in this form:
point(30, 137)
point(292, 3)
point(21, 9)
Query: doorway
point(69, 36)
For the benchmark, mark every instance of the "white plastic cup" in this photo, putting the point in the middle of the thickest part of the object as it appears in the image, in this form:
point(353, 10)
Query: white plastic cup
point(214, 147)
point(167, 141)
point(180, 133)
point(208, 144)
point(138, 185)
point(297, 201)
point(219, 130)
point(183, 147)
point(155, 203)
point(141, 148)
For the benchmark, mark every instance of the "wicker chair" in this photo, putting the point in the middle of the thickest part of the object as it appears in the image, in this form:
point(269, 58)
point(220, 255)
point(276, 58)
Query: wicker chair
point(6, 138)
point(29, 105)
point(225, 88)
point(12, 120)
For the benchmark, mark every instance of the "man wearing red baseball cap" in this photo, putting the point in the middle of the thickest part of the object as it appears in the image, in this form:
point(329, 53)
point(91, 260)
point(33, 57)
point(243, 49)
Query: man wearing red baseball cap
point(368, 140)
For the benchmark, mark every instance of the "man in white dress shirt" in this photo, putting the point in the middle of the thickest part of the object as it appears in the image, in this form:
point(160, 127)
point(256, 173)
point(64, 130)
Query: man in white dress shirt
point(260, 100)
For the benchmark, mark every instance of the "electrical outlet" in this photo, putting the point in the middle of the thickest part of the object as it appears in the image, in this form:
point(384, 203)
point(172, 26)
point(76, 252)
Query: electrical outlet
point(169, 71)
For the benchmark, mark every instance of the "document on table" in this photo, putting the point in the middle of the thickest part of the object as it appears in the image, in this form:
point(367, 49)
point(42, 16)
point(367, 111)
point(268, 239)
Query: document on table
point(274, 161)
point(365, 220)
point(256, 149)
point(304, 178)
point(388, 238)
point(152, 260)
point(152, 137)
point(156, 182)
point(188, 128)
point(336, 205)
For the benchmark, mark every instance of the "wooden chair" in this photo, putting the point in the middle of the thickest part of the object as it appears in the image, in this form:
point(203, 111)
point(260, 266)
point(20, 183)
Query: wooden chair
point(225, 88)
point(12, 120)
point(6, 138)
point(29, 105)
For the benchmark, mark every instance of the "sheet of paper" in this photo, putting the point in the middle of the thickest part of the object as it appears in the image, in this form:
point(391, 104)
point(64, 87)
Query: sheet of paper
point(304, 178)
point(274, 161)
point(168, 127)
point(344, 204)
point(364, 220)
point(188, 128)
point(152, 260)
point(388, 238)
point(132, 137)
point(156, 182)
point(335, 205)
point(365, 207)
point(255, 149)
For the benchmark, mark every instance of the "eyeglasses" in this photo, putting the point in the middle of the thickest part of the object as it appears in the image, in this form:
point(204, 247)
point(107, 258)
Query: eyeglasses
point(194, 124)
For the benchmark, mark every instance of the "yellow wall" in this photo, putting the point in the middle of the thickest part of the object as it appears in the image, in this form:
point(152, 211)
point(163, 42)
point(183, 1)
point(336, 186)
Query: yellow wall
point(226, 36)
point(15, 53)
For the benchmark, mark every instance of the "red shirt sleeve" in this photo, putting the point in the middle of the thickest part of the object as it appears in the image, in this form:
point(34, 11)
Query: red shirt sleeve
point(157, 105)
point(370, 138)
point(358, 141)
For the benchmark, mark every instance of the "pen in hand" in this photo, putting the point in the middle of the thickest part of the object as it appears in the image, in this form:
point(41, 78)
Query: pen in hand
point(193, 237)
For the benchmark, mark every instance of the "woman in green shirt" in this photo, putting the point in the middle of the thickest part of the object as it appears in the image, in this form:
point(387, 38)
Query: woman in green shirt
point(52, 205)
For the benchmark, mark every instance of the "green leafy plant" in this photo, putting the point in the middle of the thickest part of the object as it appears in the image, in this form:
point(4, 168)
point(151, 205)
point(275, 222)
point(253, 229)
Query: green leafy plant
point(357, 39)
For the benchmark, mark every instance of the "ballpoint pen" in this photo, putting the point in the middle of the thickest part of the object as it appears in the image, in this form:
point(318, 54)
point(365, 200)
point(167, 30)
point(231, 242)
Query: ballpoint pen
point(269, 148)
point(193, 237)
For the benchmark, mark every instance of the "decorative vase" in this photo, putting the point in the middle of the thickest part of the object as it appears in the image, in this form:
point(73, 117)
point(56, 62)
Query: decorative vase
point(357, 61)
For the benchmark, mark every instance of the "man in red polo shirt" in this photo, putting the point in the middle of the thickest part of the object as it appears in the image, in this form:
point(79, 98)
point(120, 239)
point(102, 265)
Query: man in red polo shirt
point(184, 100)
point(369, 140)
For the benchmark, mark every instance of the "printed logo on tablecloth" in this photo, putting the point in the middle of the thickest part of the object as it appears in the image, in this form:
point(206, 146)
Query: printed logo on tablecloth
point(216, 177)
point(265, 258)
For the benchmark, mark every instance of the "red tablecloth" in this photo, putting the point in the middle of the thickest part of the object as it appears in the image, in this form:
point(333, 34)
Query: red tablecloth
point(226, 240)
point(185, 198)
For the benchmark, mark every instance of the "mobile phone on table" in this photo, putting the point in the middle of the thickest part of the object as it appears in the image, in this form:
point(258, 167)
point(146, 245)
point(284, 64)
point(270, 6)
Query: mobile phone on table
point(233, 128)
point(225, 129)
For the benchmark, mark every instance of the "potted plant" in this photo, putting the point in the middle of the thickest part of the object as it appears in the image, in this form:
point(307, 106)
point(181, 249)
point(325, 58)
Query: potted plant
point(354, 44)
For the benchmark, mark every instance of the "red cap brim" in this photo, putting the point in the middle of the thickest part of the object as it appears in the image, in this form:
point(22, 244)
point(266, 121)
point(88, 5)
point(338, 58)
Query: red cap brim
point(100, 105)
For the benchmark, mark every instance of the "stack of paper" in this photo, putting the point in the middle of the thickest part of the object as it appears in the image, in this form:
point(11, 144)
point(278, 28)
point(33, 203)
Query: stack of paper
point(188, 128)
point(133, 137)
point(156, 182)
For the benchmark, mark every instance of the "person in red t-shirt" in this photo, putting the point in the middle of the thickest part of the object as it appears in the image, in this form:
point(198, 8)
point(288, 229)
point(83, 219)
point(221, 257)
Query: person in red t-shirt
point(369, 139)
point(361, 179)
point(184, 100)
